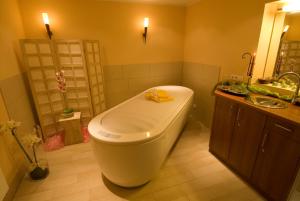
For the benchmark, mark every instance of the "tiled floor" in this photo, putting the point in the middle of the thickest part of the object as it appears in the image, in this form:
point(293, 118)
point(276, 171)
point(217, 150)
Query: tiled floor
point(190, 173)
point(295, 196)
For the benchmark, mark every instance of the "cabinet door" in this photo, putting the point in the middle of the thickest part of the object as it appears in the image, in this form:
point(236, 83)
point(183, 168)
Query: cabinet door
point(278, 160)
point(223, 123)
point(246, 137)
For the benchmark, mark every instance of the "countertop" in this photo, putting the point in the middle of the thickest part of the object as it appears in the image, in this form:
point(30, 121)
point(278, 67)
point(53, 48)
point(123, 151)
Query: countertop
point(291, 113)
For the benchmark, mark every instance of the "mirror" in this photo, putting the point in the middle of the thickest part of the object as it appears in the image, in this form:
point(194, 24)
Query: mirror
point(283, 51)
point(278, 52)
point(288, 54)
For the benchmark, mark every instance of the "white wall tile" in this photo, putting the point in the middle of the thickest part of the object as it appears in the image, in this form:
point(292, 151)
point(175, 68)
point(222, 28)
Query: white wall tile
point(122, 82)
point(166, 69)
point(136, 70)
point(202, 79)
point(113, 72)
point(113, 99)
point(162, 80)
point(113, 86)
point(139, 84)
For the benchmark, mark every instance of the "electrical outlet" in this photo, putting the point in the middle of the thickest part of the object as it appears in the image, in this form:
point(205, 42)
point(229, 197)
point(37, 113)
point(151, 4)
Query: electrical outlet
point(236, 77)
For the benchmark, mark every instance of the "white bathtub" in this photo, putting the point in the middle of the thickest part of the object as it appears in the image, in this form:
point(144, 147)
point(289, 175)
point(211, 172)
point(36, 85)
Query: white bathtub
point(132, 139)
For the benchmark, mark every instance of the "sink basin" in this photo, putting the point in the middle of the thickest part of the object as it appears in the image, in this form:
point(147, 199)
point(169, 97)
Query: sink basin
point(267, 102)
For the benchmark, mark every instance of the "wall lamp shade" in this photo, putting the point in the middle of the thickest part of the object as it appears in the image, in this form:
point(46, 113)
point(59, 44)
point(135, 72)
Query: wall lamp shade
point(286, 28)
point(292, 6)
point(146, 25)
point(47, 24)
point(146, 22)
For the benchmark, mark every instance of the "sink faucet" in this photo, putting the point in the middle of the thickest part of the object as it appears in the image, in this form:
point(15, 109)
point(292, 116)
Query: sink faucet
point(298, 84)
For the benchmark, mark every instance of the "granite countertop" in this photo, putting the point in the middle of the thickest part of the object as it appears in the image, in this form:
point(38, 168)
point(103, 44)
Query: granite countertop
point(291, 113)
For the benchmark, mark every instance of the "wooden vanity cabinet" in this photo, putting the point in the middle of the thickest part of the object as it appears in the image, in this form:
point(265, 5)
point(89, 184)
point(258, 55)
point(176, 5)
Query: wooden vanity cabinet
point(246, 137)
point(263, 150)
point(278, 159)
point(223, 123)
point(236, 134)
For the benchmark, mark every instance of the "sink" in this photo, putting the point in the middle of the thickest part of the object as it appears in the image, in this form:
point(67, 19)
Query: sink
point(267, 102)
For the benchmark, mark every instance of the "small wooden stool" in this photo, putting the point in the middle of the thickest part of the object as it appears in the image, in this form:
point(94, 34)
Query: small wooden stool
point(72, 127)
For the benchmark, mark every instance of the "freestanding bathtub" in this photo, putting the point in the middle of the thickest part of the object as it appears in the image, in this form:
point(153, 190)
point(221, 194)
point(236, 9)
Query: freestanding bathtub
point(132, 139)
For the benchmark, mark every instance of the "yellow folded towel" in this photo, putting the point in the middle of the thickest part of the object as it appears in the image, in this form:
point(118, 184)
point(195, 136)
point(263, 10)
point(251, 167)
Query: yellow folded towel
point(158, 95)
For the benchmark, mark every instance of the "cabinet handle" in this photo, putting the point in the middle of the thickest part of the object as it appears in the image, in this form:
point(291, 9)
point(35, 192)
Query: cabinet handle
point(284, 128)
point(238, 117)
point(264, 142)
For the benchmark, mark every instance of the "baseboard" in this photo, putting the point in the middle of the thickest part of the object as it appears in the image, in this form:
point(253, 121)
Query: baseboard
point(13, 186)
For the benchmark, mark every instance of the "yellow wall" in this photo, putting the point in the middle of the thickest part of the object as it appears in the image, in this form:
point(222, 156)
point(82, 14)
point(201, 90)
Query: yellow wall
point(294, 30)
point(218, 32)
point(118, 26)
point(11, 157)
point(11, 31)
point(14, 101)
point(212, 33)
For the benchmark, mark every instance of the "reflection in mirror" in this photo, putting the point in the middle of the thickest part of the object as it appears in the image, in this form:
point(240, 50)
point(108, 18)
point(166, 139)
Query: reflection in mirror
point(278, 48)
point(277, 66)
point(288, 57)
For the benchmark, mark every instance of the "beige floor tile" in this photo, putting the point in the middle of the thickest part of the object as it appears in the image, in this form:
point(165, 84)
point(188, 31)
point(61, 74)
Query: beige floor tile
point(60, 155)
point(181, 199)
point(83, 195)
point(207, 169)
point(98, 192)
point(84, 165)
point(83, 155)
point(54, 183)
point(90, 178)
point(190, 173)
point(28, 186)
point(295, 196)
point(238, 196)
point(62, 170)
point(85, 181)
point(147, 197)
point(159, 184)
point(195, 186)
point(169, 194)
point(205, 194)
point(102, 193)
point(40, 196)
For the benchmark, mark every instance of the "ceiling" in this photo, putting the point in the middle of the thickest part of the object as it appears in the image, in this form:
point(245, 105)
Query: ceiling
point(170, 2)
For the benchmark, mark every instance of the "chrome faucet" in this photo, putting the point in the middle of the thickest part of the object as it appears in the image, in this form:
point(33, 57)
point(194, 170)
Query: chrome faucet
point(298, 85)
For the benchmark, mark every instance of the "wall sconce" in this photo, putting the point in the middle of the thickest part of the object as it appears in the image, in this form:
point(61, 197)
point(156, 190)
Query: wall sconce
point(46, 22)
point(146, 25)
